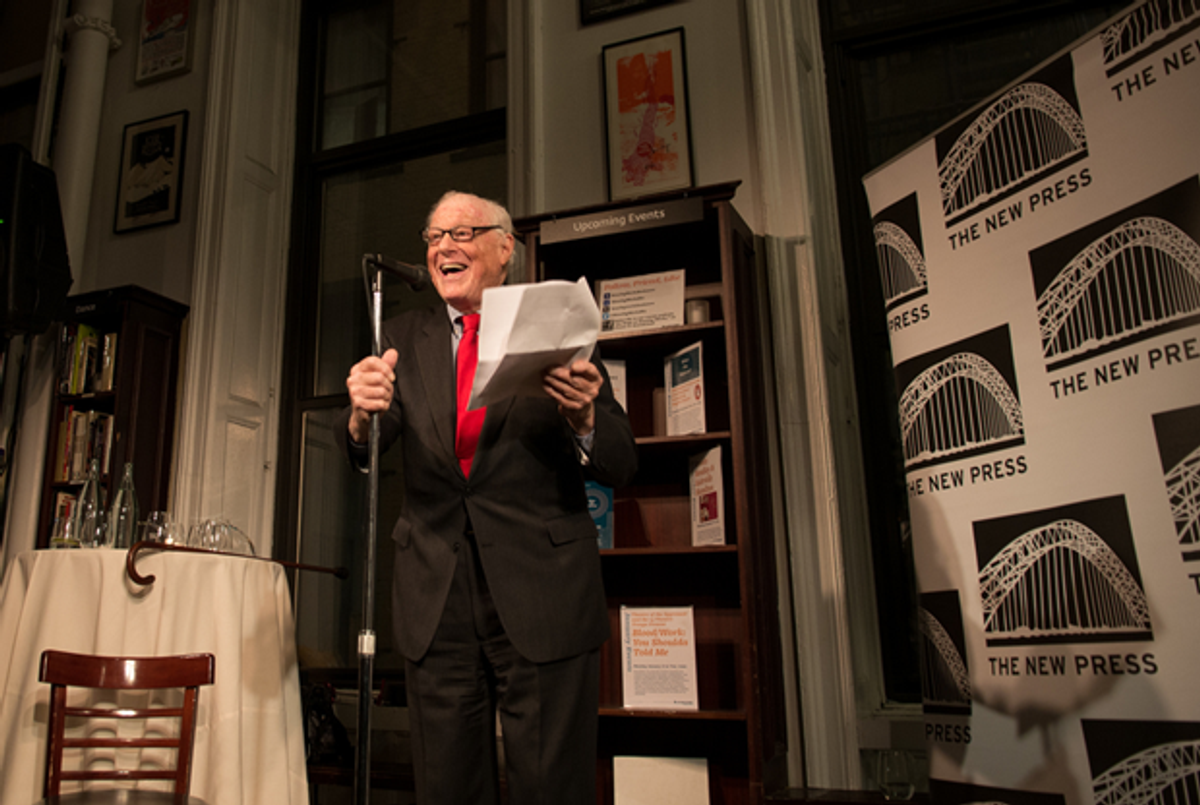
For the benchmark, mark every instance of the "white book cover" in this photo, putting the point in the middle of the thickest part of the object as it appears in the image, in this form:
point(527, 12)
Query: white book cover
point(658, 658)
point(660, 780)
point(648, 302)
point(616, 375)
point(683, 377)
point(708, 498)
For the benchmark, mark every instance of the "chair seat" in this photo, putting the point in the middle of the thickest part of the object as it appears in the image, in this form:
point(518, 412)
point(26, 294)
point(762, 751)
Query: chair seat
point(117, 796)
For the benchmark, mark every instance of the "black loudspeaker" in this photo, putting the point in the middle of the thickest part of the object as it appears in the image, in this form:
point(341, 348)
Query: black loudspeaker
point(35, 274)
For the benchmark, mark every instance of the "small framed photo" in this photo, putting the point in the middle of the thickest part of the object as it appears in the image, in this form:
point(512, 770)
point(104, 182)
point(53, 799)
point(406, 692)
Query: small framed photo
point(599, 10)
point(151, 177)
point(164, 40)
point(646, 116)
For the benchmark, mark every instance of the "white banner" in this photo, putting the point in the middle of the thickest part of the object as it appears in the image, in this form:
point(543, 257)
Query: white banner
point(1041, 262)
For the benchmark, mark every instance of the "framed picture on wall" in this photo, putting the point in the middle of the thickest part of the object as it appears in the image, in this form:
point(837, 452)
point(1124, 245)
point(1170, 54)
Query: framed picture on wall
point(646, 115)
point(164, 40)
point(151, 176)
point(598, 10)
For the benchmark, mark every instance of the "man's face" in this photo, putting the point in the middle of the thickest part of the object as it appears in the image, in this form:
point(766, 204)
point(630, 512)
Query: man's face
point(461, 271)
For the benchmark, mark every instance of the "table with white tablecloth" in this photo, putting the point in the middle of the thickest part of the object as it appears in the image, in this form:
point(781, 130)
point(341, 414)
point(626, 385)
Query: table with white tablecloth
point(249, 747)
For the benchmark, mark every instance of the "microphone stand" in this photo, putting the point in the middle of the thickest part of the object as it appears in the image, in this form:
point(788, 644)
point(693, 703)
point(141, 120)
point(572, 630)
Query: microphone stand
point(366, 637)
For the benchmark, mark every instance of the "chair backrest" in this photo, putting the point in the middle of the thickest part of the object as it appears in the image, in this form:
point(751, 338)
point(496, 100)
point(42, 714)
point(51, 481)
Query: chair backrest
point(62, 670)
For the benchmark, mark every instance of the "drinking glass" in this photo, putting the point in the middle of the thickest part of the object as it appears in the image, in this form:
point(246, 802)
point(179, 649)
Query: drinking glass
point(153, 528)
point(62, 534)
point(173, 533)
point(896, 774)
point(204, 534)
point(93, 531)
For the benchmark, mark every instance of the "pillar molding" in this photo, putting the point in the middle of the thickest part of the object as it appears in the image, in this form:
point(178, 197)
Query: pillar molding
point(92, 38)
point(78, 22)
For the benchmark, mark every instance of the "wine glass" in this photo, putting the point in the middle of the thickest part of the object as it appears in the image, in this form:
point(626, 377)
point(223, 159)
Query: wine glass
point(237, 541)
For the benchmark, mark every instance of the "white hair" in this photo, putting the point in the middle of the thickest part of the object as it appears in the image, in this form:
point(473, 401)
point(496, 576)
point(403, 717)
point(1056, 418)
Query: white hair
point(498, 213)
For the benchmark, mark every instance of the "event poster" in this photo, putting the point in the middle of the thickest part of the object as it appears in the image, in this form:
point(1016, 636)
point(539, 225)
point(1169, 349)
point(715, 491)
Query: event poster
point(1040, 258)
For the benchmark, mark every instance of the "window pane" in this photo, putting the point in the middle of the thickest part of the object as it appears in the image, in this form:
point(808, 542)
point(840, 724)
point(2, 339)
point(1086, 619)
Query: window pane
point(381, 211)
point(354, 88)
point(393, 66)
point(332, 524)
point(332, 532)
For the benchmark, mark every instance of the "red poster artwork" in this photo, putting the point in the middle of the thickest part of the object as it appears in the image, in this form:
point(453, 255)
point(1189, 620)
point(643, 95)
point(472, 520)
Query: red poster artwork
point(646, 98)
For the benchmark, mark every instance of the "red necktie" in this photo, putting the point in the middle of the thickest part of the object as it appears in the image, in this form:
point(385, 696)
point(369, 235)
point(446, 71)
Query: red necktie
point(470, 423)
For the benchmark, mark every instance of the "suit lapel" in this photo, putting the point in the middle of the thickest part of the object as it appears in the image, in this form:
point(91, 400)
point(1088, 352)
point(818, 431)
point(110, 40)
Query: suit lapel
point(437, 374)
point(493, 423)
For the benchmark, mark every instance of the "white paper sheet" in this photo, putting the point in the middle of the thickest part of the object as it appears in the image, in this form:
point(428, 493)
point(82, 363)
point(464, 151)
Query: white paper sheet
point(525, 329)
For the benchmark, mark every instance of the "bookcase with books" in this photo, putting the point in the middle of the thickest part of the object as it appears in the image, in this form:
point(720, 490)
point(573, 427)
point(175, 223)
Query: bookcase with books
point(113, 399)
point(693, 532)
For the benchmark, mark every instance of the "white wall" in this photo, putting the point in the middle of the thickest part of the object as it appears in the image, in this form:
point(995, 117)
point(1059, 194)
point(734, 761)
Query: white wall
point(158, 258)
point(573, 166)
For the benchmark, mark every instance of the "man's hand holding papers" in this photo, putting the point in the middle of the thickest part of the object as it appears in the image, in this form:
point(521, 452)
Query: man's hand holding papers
point(526, 330)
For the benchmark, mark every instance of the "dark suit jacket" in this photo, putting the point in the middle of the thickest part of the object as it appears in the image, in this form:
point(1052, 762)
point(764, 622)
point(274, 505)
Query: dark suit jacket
point(525, 501)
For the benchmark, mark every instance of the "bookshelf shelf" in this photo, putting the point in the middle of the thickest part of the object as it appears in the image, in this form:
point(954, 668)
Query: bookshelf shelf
point(647, 339)
point(739, 728)
point(94, 397)
point(671, 550)
point(686, 442)
point(681, 715)
point(135, 357)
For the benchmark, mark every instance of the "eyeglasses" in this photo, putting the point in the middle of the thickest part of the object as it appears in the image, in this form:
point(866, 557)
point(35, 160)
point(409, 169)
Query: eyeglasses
point(460, 234)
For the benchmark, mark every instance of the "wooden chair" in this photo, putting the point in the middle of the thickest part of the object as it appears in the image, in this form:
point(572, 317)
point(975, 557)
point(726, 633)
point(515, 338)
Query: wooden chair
point(62, 670)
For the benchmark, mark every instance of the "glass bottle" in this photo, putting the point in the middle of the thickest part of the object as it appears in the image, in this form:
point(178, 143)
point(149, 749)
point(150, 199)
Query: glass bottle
point(87, 520)
point(123, 517)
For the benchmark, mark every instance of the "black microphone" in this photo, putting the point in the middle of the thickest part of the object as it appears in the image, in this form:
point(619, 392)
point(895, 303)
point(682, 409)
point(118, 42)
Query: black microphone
point(416, 276)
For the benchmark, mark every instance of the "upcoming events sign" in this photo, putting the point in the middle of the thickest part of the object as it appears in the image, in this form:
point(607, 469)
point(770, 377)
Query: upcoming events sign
point(1041, 262)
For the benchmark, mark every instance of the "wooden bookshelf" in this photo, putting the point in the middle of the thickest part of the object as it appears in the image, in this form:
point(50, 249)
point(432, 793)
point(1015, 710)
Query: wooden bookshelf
point(739, 728)
point(140, 400)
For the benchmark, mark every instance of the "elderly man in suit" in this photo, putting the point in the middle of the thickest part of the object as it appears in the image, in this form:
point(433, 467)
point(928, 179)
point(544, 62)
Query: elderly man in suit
point(498, 602)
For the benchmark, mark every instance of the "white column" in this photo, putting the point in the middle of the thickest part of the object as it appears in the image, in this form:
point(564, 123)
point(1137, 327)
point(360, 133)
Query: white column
point(91, 38)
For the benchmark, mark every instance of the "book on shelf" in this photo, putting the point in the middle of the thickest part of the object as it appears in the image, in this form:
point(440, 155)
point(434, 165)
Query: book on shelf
point(90, 346)
point(639, 780)
point(646, 302)
point(108, 361)
point(83, 349)
point(600, 506)
point(66, 341)
point(62, 446)
point(708, 498)
point(102, 439)
point(616, 375)
point(683, 378)
point(80, 443)
point(64, 504)
point(658, 658)
point(83, 436)
point(81, 357)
